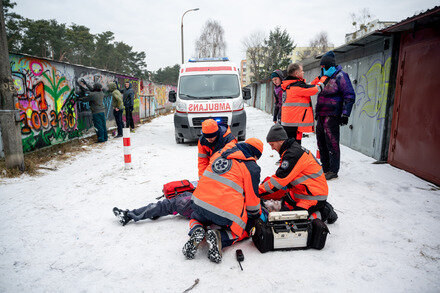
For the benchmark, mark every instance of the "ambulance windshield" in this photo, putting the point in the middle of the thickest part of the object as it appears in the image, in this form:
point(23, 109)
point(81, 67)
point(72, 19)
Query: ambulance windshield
point(213, 86)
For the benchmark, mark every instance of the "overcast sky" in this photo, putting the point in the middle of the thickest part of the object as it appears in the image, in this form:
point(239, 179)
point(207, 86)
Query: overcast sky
point(154, 26)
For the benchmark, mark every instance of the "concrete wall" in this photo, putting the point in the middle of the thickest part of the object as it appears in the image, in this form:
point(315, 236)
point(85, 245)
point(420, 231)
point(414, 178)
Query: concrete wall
point(50, 113)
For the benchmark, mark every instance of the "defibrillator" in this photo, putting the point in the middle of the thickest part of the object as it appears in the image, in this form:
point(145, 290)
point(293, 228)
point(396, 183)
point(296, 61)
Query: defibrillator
point(289, 230)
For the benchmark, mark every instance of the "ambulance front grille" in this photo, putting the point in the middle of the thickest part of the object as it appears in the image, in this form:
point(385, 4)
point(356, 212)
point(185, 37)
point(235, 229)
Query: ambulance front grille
point(220, 120)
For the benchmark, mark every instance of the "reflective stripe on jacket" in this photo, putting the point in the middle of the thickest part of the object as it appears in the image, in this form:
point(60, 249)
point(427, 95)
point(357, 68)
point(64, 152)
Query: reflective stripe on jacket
point(301, 173)
point(229, 187)
point(206, 149)
point(297, 108)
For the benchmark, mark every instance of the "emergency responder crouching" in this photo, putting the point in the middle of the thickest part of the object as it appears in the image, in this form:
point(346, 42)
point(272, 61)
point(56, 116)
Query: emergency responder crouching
point(301, 173)
point(227, 196)
point(213, 139)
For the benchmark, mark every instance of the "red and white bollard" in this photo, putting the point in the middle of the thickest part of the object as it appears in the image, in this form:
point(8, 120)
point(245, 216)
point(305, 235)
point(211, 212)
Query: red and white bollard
point(127, 149)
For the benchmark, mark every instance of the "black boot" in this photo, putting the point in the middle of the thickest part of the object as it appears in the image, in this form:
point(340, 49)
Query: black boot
point(190, 248)
point(122, 216)
point(332, 216)
point(330, 175)
point(214, 241)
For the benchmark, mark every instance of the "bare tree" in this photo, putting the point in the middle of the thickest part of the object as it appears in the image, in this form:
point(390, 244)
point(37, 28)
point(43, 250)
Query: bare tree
point(361, 20)
point(211, 42)
point(253, 45)
point(318, 45)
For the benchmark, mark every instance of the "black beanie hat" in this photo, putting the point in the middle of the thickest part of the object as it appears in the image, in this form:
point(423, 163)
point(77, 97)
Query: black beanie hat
point(328, 60)
point(276, 133)
point(277, 73)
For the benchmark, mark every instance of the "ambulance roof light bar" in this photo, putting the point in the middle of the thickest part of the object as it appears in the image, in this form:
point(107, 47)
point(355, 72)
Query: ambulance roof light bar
point(209, 59)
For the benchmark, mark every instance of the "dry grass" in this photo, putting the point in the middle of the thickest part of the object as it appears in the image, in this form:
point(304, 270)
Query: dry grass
point(33, 161)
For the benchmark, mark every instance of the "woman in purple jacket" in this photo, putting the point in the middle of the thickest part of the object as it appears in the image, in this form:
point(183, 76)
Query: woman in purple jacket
point(277, 77)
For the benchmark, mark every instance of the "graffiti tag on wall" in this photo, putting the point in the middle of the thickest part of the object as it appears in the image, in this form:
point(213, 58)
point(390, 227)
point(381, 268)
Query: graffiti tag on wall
point(372, 89)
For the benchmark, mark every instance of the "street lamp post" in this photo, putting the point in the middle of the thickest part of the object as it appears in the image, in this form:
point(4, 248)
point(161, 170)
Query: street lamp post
point(181, 31)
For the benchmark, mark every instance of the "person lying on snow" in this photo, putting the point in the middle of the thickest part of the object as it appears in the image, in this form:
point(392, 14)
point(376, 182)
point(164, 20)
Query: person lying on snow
point(178, 204)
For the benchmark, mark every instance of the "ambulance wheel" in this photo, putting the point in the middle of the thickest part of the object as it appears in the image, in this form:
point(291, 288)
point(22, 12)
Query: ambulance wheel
point(178, 139)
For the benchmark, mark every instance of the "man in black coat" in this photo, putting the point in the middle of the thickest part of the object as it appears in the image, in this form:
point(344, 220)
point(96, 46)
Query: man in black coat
point(128, 98)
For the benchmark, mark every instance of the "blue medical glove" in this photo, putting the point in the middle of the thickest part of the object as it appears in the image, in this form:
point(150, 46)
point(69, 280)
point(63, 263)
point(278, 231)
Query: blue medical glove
point(329, 72)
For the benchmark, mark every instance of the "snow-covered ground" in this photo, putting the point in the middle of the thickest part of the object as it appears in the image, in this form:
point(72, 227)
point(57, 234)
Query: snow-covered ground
point(58, 232)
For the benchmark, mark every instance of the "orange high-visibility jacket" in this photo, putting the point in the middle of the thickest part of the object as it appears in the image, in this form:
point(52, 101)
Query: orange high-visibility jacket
point(301, 173)
point(229, 187)
point(297, 108)
point(206, 149)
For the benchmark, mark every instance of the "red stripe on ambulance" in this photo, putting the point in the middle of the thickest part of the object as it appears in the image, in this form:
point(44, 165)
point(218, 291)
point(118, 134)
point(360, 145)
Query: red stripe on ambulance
point(212, 68)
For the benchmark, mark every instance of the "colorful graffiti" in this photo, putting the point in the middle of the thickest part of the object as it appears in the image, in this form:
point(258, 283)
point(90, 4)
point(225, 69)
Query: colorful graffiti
point(49, 109)
point(372, 89)
point(46, 103)
point(47, 100)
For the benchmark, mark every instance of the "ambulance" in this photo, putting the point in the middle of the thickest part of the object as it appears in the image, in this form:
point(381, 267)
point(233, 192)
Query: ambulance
point(208, 88)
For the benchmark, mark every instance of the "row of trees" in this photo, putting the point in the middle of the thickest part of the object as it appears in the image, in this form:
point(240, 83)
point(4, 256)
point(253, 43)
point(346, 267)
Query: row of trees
point(264, 55)
point(71, 43)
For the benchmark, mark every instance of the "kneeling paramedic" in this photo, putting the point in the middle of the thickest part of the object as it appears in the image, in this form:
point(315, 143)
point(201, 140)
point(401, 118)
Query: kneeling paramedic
point(227, 196)
point(213, 139)
point(301, 173)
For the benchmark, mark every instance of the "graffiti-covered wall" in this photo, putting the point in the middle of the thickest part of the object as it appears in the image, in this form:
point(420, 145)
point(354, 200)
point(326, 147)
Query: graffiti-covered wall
point(48, 102)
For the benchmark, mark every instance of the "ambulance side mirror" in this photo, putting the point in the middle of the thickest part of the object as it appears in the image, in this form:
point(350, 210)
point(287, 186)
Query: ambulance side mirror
point(246, 93)
point(172, 96)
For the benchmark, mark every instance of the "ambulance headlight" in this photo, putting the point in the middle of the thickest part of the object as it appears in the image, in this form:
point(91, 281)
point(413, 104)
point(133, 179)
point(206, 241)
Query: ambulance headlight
point(181, 107)
point(237, 105)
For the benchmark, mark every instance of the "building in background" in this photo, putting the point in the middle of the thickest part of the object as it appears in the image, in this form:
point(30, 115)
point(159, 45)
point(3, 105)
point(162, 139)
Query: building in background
point(243, 73)
point(369, 27)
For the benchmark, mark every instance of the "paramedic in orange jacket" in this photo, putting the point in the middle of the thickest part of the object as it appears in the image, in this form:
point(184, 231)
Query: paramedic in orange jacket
point(301, 173)
point(297, 112)
point(227, 196)
point(213, 139)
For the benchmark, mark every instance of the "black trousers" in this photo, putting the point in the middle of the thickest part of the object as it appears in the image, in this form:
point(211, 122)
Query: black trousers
point(118, 120)
point(129, 117)
point(327, 135)
point(277, 113)
point(292, 133)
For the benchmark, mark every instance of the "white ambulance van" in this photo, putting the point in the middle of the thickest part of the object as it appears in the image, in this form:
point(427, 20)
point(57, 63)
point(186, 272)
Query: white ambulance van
point(208, 88)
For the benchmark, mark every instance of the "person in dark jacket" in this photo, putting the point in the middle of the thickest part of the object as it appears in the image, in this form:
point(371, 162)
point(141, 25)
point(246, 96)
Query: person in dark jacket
point(333, 108)
point(128, 97)
point(277, 78)
point(95, 97)
point(118, 106)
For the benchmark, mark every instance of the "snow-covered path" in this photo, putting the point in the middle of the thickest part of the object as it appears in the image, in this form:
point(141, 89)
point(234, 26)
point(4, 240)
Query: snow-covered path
point(58, 232)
